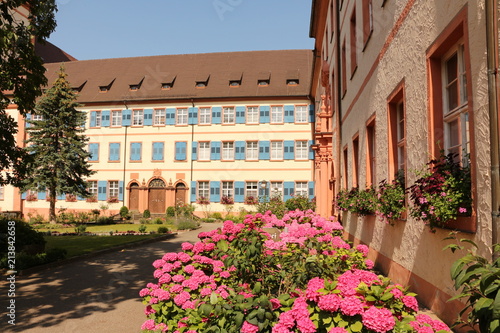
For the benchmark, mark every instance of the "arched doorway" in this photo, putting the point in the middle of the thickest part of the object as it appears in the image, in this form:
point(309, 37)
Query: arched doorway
point(133, 197)
point(180, 194)
point(156, 202)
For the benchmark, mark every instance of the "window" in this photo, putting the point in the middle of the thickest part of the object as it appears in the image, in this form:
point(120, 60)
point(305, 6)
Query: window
point(95, 119)
point(456, 117)
point(353, 50)
point(205, 116)
point(114, 152)
point(355, 161)
point(180, 150)
point(182, 117)
point(159, 117)
point(276, 150)
point(397, 130)
point(166, 86)
point(277, 114)
point(234, 83)
point(344, 68)
point(94, 151)
point(204, 151)
point(447, 64)
point(92, 188)
point(252, 151)
point(263, 83)
point(370, 154)
point(1, 192)
point(252, 189)
point(138, 117)
point(301, 150)
point(158, 151)
point(292, 82)
point(252, 115)
point(301, 189)
point(228, 151)
point(277, 189)
point(204, 189)
point(301, 114)
point(113, 189)
point(116, 118)
point(228, 115)
point(36, 117)
point(346, 169)
point(227, 189)
point(135, 151)
point(367, 20)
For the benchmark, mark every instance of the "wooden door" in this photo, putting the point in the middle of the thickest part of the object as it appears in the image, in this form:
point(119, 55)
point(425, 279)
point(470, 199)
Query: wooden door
point(133, 198)
point(157, 200)
point(180, 194)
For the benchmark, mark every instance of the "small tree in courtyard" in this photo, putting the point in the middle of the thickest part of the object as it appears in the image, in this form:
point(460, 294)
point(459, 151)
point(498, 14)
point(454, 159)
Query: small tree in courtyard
point(56, 145)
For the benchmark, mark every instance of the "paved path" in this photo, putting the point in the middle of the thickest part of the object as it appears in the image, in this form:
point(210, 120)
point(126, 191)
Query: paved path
point(99, 294)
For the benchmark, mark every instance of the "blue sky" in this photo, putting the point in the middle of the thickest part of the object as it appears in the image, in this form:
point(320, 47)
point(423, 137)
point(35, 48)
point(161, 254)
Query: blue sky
point(96, 29)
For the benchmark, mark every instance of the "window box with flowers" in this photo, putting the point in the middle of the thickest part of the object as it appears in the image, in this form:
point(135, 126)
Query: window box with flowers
point(31, 197)
point(227, 200)
point(442, 193)
point(360, 202)
point(391, 201)
point(251, 200)
point(92, 198)
point(70, 198)
point(202, 200)
point(113, 200)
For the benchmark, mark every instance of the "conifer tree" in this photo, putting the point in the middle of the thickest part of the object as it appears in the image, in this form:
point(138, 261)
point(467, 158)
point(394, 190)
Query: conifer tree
point(56, 146)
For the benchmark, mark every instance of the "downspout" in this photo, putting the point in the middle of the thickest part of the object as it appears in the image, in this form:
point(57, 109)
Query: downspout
point(492, 63)
point(338, 75)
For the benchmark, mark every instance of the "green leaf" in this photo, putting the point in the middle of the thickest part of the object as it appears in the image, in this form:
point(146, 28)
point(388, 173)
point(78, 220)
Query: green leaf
point(483, 303)
point(222, 245)
point(496, 306)
point(213, 298)
point(356, 326)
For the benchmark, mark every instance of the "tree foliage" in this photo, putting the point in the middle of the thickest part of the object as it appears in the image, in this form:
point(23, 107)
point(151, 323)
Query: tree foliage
point(21, 73)
point(56, 146)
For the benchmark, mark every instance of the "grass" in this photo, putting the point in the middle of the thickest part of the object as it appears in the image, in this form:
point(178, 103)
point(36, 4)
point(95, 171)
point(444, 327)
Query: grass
point(78, 245)
point(110, 227)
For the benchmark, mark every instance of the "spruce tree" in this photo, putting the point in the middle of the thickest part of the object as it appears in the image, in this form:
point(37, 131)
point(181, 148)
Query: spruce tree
point(56, 145)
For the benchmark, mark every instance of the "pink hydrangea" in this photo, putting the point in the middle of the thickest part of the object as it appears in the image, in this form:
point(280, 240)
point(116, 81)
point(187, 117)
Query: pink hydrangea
point(378, 319)
point(249, 328)
point(306, 325)
point(144, 292)
point(351, 306)
point(329, 302)
point(171, 256)
point(148, 325)
point(161, 327)
point(363, 249)
point(178, 278)
point(369, 264)
point(397, 293)
point(186, 246)
point(276, 303)
point(189, 269)
point(410, 302)
point(313, 287)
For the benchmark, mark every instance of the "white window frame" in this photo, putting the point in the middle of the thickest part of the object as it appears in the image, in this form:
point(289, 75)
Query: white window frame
point(113, 189)
point(205, 116)
point(204, 151)
point(93, 188)
point(159, 116)
point(301, 188)
point(252, 189)
point(228, 115)
point(252, 115)
point(276, 189)
point(181, 116)
point(116, 118)
point(98, 119)
point(301, 150)
point(277, 114)
point(227, 189)
point(301, 114)
point(204, 189)
point(137, 117)
point(227, 151)
point(276, 151)
point(252, 151)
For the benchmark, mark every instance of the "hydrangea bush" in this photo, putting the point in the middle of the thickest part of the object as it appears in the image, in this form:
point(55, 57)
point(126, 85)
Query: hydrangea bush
point(240, 279)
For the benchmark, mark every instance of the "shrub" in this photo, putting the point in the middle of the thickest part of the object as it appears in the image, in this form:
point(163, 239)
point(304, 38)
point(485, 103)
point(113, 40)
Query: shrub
point(144, 221)
point(300, 202)
point(25, 260)
point(124, 212)
point(27, 239)
point(142, 228)
point(80, 228)
point(186, 224)
point(217, 216)
point(105, 220)
point(163, 230)
point(146, 214)
point(273, 204)
point(171, 211)
point(158, 220)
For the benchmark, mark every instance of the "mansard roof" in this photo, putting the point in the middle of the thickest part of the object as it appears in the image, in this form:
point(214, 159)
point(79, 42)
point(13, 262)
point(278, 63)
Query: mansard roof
point(230, 75)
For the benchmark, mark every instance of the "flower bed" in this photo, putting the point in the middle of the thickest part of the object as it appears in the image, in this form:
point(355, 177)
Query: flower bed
point(238, 279)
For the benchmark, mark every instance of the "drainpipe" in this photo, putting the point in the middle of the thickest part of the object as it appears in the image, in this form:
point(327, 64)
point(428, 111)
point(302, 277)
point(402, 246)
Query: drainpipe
point(492, 62)
point(338, 75)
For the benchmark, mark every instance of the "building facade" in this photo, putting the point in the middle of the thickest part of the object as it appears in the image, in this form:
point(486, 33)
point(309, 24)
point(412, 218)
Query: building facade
point(205, 129)
point(398, 82)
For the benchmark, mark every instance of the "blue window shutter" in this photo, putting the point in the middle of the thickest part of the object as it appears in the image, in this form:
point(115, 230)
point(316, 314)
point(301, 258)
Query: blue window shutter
point(263, 150)
point(170, 116)
point(94, 151)
point(105, 118)
point(311, 113)
point(289, 116)
point(288, 189)
point(240, 114)
point(193, 116)
point(23, 196)
point(289, 150)
point(42, 195)
point(101, 190)
point(239, 191)
point(28, 117)
point(215, 150)
point(216, 114)
point(114, 151)
point(135, 151)
point(180, 151)
point(194, 150)
point(92, 119)
point(239, 150)
point(193, 191)
point(311, 190)
point(311, 151)
point(120, 190)
point(264, 113)
point(215, 191)
point(158, 148)
point(61, 196)
point(148, 117)
point(126, 117)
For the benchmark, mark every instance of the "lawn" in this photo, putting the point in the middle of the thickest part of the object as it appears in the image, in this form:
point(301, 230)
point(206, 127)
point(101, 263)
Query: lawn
point(122, 227)
point(78, 245)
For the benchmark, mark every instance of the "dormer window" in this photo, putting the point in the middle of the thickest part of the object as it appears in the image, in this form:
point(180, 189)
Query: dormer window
point(135, 83)
point(166, 86)
point(103, 89)
point(292, 77)
point(201, 84)
point(106, 84)
point(292, 82)
point(134, 87)
point(234, 83)
point(263, 83)
point(202, 80)
point(263, 79)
